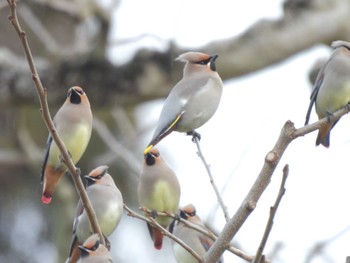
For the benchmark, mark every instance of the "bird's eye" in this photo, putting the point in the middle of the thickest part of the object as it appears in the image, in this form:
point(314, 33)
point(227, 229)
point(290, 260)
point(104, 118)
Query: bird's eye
point(155, 155)
point(80, 91)
point(192, 213)
point(203, 62)
point(97, 244)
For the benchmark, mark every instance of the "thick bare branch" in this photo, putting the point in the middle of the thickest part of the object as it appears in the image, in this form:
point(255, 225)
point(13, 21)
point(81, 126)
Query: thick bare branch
point(287, 135)
point(152, 74)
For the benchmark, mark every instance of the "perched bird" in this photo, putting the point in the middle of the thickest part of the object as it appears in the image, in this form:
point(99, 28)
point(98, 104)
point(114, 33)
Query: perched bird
point(331, 89)
point(73, 123)
point(199, 242)
point(193, 100)
point(107, 202)
point(159, 191)
point(94, 252)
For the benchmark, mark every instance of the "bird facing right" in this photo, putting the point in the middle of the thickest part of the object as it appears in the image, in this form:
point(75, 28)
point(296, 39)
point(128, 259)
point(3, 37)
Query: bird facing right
point(193, 100)
point(331, 89)
point(199, 242)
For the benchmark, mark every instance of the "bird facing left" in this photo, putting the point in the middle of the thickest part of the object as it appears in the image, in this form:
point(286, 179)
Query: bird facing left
point(92, 251)
point(73, 123)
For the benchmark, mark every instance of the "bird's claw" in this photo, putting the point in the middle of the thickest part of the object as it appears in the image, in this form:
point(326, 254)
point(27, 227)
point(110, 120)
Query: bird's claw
point(154, 214)
point(107, 242)
point(195, 135)
point(329, 116)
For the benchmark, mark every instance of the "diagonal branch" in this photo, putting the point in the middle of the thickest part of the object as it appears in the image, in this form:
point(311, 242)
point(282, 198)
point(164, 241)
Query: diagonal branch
point(42, 94)
point(154, 223)
point(203, 231)
point(259, 254)
point(287, 135)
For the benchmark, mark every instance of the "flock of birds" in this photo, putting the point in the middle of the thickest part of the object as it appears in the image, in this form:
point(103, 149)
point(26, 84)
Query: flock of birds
point(190, 104)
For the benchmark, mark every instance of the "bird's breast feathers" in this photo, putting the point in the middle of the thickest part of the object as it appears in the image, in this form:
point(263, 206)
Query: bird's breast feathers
point(76, 141)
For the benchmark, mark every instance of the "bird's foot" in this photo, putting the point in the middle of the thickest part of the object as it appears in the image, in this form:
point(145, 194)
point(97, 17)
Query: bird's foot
point(154, 214)
point(62, 159)
point(107, 242)
point(195, 135)
point(329, 116)
point(347, 106)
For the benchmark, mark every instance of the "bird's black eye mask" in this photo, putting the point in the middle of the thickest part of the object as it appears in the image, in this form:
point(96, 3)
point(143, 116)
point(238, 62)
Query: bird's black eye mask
point(151, 158)
point(185, 215)
point(90, 180)
point(85, 251)
point(97, 244)
point(74, 96)
point(210, 60)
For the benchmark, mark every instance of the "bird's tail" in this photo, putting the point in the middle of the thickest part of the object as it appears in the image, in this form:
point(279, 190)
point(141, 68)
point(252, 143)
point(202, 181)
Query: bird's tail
point(323, 136)
point(51, 179)
point(157, 236)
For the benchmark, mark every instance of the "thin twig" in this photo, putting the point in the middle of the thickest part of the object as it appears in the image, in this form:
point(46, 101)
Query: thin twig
point(216, 190)
point(154, 223)
point(273, 210)
point(203, 231)
point(287, 135)
point(42, 94)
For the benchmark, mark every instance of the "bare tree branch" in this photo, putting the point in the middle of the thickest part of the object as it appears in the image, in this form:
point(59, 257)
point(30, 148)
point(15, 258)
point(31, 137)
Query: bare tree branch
point(204, 231)
point(42, 94)
point(216, 190)
point(153, 222)
point(152, 74)
point(259, 258)
point(287, 135)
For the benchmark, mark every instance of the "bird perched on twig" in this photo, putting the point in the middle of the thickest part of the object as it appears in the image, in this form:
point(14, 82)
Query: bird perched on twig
point(331, 89)
point(193, 100)
point(107, 203)
point(158, 190)
point(199, 242)
point(73, 123)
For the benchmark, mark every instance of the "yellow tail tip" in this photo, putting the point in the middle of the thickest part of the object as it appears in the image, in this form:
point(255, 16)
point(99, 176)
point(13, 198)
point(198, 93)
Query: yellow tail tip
point(149, 147)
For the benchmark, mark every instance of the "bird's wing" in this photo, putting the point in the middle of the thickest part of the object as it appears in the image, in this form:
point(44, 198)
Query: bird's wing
point(313, 96)
point(46, 156)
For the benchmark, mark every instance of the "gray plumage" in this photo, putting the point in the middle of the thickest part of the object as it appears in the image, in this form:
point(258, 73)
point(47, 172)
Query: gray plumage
point(158, 190)
point(107, 202)
point(199, 242)
point(332, 89)
point(92, 251)
point(193, 100)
